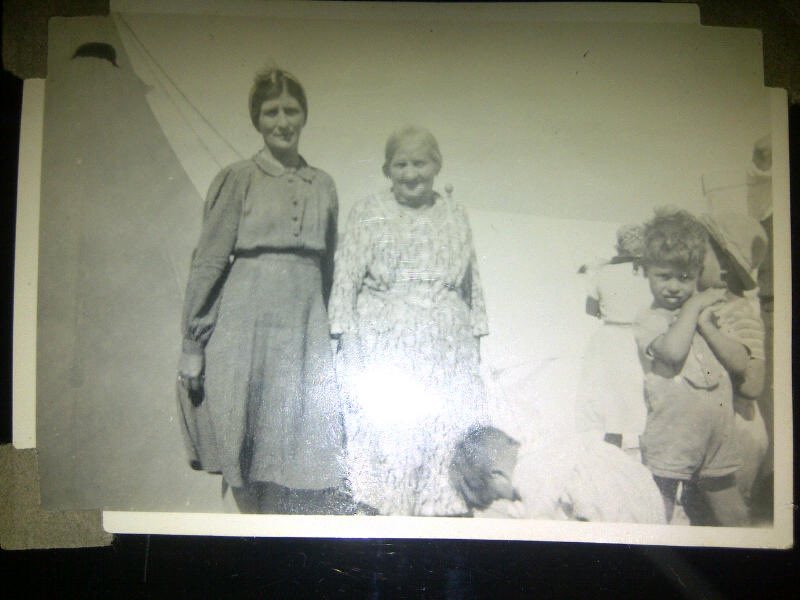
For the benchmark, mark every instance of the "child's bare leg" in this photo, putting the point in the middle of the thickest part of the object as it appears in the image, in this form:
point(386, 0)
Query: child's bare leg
point(725, 501)
point(669, 489)
point(695, 505)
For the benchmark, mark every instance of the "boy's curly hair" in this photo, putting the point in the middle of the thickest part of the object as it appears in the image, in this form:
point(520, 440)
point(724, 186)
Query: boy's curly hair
point(675, 237)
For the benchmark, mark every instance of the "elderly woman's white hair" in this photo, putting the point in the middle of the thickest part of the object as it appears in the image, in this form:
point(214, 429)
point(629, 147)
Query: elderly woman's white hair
point(411, 132)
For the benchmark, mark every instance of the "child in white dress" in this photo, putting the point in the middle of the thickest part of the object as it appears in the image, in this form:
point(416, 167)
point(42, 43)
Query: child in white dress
point(610, 398)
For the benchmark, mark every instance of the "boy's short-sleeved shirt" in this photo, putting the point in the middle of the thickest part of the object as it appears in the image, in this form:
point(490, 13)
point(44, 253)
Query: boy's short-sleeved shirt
point(739, 320)
point(689, 430)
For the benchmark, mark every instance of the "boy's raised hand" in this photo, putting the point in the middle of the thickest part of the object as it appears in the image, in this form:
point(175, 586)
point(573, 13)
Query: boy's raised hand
point(709, 297)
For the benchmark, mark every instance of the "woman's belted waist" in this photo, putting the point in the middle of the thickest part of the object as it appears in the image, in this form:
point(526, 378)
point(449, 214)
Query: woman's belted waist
point(418, 294)
point(294, 254)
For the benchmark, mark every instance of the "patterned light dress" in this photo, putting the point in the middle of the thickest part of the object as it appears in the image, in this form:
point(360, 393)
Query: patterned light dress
point(408, 303)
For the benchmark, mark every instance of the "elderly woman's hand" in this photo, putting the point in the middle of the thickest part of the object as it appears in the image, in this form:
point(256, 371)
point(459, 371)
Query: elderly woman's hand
point(190, 371)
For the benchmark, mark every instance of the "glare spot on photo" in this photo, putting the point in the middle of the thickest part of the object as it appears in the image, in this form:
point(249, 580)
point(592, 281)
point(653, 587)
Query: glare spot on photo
point(388, 395)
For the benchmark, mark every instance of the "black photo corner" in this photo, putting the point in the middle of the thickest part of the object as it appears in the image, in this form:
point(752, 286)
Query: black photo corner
point(139, 565)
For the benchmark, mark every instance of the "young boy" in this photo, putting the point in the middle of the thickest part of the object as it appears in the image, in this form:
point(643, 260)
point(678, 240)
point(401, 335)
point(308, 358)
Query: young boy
point(689, 435)
point(578, 478)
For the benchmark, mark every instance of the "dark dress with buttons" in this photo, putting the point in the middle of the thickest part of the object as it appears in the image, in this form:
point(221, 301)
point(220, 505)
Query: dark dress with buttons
point(256, 306)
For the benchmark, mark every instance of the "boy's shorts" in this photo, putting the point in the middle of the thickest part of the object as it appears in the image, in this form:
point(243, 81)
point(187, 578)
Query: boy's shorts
point(689, 431)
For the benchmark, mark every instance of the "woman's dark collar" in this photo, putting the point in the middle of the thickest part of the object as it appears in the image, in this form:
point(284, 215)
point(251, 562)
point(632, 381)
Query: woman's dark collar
point(272, 167)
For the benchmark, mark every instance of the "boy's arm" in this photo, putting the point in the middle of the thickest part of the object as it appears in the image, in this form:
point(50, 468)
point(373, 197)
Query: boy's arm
point(669, 350)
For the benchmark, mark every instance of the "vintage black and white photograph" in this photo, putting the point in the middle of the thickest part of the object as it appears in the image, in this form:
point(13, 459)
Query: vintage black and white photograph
point(518, 274)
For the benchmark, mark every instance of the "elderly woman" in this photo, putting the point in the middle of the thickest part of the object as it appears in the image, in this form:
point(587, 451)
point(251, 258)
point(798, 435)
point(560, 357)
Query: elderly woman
point(408, 308)
point(257, 359)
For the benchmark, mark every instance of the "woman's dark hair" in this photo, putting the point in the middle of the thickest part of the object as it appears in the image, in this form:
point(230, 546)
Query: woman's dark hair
point(473, 462)
point(270, 84)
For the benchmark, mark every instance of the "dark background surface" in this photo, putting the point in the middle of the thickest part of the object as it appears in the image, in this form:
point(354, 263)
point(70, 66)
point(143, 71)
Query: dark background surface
point(144, 566)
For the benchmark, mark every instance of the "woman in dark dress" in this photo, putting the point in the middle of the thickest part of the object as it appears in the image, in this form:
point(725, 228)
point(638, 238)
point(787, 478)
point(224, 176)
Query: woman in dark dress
point(259, 399)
